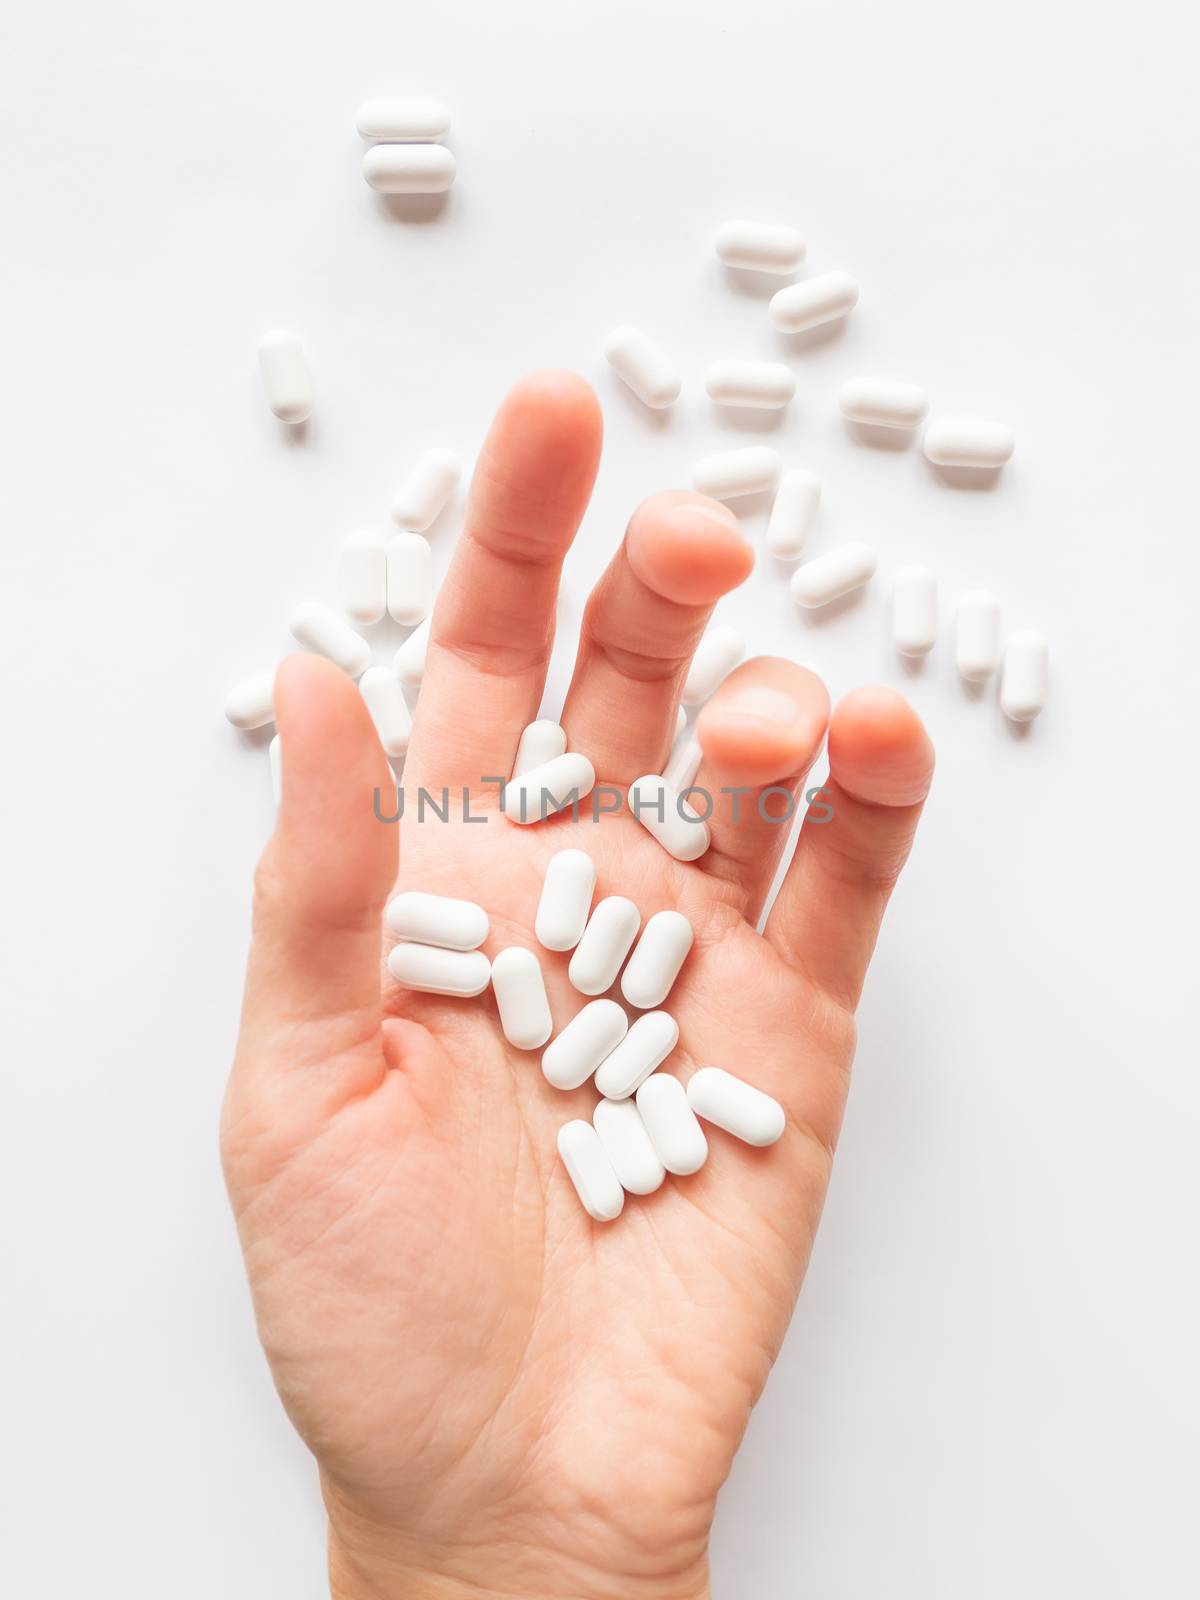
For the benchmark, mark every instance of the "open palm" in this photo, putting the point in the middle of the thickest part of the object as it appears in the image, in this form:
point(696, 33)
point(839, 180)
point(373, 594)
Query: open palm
point(505, 1397)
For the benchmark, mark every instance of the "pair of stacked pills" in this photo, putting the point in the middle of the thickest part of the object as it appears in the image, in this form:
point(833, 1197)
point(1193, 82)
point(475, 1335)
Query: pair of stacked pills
point(407, 154)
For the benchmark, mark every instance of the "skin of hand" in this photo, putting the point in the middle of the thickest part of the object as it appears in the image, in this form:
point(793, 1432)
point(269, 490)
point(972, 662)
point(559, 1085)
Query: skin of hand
point(504, 1397)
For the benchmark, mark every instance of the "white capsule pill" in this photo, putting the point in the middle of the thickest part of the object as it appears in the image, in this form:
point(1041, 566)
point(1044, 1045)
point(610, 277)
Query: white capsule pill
point(403, 121)
point(680, 721)
point(982, 445)
point(1024, 679)
point(540, 742)
point(360, 577)
point(672, 820)
point(627, 1145)
point(252, 704)
point(684, 765)
point(830, 576)
point(544, 790)
point(436, 971)
point(606, 941)
point(719, 651)
point(591, 1034)
point(285, 375)
point(731, 473)
point(793, 513)
point(409, 168)
point(759, 246)
point(565, 900)
point(410, 658)
point(640, 363)
point(425, 493)
point(275, 760)
point(656, 959)
point(979, 635)
point(437, 919)
point(817, 300)
point(409, 578)
point(319, 627)
point(590, 1170)
point(677, 1137)
point(883, 402)
point(520, 992)
point(762, 385)
point(380, 688)
point(727, 1102)
point(914, 610)
point(649, 1042)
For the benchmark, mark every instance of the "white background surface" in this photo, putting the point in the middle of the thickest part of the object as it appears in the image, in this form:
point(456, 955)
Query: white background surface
point(990, 1387)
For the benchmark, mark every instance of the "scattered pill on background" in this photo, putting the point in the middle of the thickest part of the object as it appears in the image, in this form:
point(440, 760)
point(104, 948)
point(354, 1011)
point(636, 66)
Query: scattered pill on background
point(285, 375)
point(759, 246)
point(641, 364)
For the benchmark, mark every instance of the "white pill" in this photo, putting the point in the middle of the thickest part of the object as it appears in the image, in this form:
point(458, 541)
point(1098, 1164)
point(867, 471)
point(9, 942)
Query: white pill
point(410, 658)
point(409, 168)
point(319, 627)
point(649, 1042)
point(684, 765)
point(520, 992)
point(252, 704)
point(731, 473)
point(540, 792)
point(817, 300)
point(403, 121)
point(1024, 680)
point(591, 1034)
point(590, 1170)
point(647, 369)
point(285, 375)
point(656, 959)
point(627, 1145)
point(727, 1102)
point(979, 636)
point(793, 513)
point(914, 610)
point(719, 651)
point(409, 578)
point(677, 1137)
point(436, 971)
point(425, 493)
point(883, 402)
point(763, 385)
point(983, 445)
point(437, 919)
point(380, 688)
point(565, 900)
point(540, 742)
point(829, 577)
point(606, 941)
point(275, 760)
point(680, 721)
point(674, 822)
point(360, 577)
point(759, 246)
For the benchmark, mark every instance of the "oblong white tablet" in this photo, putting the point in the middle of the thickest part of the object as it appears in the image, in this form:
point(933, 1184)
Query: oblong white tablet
point(683, 765)
point(914, 610)
point(409, 168)
point(252, 704)
point(793, 513)
point(673, 821)
point(677, 1137)
point(410, 658)
point(980, 445)
point(403, 121)
point(728, 1102)
point(1025, 676)
point(817, 300)
point(437, 919)
point(434, 971)
point(285, 375)
point(409, 578)
point(649, 1042)
point(627, 1145)
point(759, 246)
point(360, 577)
point(275, 760)
point(978, 635)
point(883, 402)
point(830, 576)
point(520, 992)
point(380, 688)
point(730, 473)
point(566, 898)
point(425, 493)
point(656, 959)
point(590, 1170)
point(549, 788)
point(644, 366)
point(319, 627)
point(593, 1033)
point(607, 940)
point(540, 742)
point(719, 651)
point(762, 385)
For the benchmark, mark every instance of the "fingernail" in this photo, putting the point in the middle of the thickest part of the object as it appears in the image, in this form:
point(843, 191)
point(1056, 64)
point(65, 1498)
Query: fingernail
point(720, 515)
point(763, 704)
